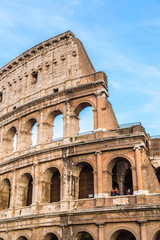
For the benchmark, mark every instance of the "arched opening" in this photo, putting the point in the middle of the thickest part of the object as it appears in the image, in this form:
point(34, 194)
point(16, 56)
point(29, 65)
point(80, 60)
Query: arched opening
point(158, 173)
point(86, 123)
point(34, 134)
point(157, 236)
point(58, 127)
point(86, 184)
point(83, 181)
point(120, 172)
point(83, 236)
point(31, 133)
point(5, 194)
point(54, 126)
point(52, 185)
point(123, 235)
point(11, 140)
point(83, 122)
point(25, 190)
point(50, 236)
point(22, 238)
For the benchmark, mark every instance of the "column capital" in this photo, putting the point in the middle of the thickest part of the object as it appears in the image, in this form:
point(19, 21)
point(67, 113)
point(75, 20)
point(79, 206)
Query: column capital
point(142, 222)
point(98, 152)
point(138, 146)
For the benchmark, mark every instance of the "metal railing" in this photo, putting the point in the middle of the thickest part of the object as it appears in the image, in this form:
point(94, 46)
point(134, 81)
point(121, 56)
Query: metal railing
point(127, 125)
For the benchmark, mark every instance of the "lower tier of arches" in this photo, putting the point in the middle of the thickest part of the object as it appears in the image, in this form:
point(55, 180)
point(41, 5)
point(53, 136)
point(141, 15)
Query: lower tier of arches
point(97, 231)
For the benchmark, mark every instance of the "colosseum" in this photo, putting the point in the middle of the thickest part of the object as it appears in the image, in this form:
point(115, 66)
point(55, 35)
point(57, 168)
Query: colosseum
point(56, 182)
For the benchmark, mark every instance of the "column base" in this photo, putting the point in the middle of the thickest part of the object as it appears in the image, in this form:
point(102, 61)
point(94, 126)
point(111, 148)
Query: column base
point(99, 195)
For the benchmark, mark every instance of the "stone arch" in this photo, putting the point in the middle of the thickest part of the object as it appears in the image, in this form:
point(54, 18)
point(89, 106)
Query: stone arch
point(83, 180)
point(81, 105)
point(123, 234)
point(158, 173)
point(22, 238)
point(5, 194)
point(25, 190)
point(2, 237)
point(84, 235)
point(119, 176)
point(81, 122)
point(157, 235)
point(10, 141)
point(51, 185)
point(51, 236)
point(30, 134)
point(53, 129)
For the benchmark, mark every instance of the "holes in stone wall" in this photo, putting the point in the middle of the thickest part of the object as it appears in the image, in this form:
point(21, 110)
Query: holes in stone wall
point(34, 77)
point(1, 97)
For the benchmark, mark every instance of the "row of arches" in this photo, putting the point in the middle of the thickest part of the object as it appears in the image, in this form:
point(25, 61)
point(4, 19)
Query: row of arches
point(121, 234)
point(53, 128)
point(82, 181)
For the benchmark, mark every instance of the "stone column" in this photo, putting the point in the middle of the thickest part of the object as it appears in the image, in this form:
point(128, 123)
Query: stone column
point(65, 185)
point(138, 163)
point(99, 174)
point(99, 111)
point(143, 230)
point(66, 120)
point(35, 196)
point(101, 231)
point(14, 194)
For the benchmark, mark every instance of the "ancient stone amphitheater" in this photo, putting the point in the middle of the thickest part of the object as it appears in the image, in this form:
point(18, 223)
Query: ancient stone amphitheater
point(57, 183)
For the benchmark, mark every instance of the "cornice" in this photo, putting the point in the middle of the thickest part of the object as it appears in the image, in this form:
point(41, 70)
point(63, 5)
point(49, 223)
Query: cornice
point(12, 65)
point(76, 144)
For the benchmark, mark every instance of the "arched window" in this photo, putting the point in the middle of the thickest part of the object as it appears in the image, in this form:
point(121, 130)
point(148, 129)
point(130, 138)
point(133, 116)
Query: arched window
point(53, 126)
point(157, 236)
point(83, 236)
point(58, 127)
point(123, 235)
point(22, 238)
point(30, 191)
point(34, 134)
point(55, 187)
point(121, 177)
point(52, 185)
point(25, 190)
point(5, 194)
point(31, 133)
point(86, 182)
point(158, 173)
point(84, 119)
point(50, 236)
point(11, 140)
point(15, 142)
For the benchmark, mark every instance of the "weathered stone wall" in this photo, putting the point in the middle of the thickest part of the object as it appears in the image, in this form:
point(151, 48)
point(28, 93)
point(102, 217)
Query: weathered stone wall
point(57, 77)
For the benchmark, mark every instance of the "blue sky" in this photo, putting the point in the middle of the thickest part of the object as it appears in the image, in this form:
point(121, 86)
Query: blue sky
point(121, 37)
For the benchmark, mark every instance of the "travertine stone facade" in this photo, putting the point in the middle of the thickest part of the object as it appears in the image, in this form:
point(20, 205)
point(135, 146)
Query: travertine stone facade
point(60, 189)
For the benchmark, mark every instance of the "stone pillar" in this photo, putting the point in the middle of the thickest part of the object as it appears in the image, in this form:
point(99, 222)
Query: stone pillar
point(35, 197)
point(101, 231)
point(1, 146)
point(13, 190)
point(143, 230)
point(99, 174)
point(66, 121)
point(64, 184)
point(40, 129)
point(138, 163)
point(99, 111)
